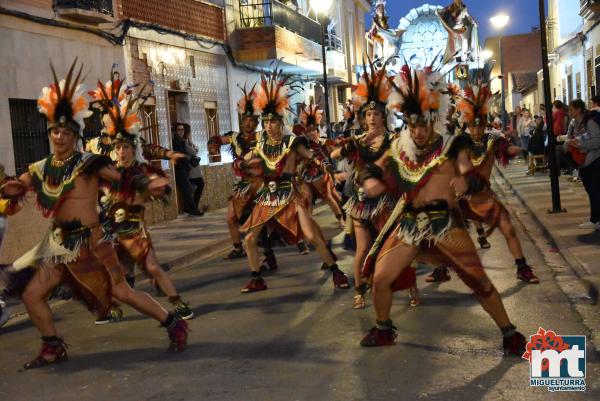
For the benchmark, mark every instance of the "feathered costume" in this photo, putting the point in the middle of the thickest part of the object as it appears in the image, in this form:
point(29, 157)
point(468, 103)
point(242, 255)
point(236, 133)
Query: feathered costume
point(120, 119)
point(122, 213)
point(316, 173)
point(473, 105)
point(436, 229)
point(83, 252)
point(244, 191)
point(276, 201)
point(371, 93)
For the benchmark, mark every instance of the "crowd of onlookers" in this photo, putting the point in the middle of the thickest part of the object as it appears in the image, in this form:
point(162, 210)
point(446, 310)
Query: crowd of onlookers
point(577, 131)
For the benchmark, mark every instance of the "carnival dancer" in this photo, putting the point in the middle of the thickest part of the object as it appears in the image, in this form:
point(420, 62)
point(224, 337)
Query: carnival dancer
point(317, 176)
point(244, 191)
point(368, 214)
point(75, 250)
point(124, 209)
point(484, 207)
point(429, 171)
point(279, 206)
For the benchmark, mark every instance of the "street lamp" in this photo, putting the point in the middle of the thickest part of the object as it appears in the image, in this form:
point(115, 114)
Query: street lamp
point(487, 54)
point(321, 7)
point(499, 22)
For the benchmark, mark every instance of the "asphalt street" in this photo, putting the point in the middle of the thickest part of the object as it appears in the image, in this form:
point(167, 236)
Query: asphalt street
point(299, 341)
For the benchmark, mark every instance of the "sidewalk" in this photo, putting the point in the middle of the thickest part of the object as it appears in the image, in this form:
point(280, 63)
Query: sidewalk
point(190, 239)
point(579, 247)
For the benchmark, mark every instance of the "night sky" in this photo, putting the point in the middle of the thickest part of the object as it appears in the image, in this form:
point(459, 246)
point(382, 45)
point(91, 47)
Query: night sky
point(523, 13)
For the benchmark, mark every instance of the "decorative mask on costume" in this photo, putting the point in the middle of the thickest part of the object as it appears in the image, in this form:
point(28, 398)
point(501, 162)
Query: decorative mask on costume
point(64, 104)
point(119, 107)
point(245, 105)
point(120, 216)
point(272, 187)
point(373, 89)
point(421, 95)
point(274, 92)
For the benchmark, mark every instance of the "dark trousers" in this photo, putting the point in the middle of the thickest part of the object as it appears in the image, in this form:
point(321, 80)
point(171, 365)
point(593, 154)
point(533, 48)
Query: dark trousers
point(182, 178)
point(590, 176)
point(198, 183)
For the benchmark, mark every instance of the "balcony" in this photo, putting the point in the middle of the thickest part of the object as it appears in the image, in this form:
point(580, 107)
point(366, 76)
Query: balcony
point(270, 30)
point(589, 9)
point(85, 11)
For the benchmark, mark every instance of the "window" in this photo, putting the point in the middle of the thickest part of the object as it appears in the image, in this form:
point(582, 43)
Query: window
point(564, 92)
point(29, 133)
point(570, 88)
point(578, 85)
point(212, 127)
point(150, 124)
point(341, 94)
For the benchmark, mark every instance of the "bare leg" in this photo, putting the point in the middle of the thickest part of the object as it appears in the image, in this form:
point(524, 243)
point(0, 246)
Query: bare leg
point(158, 274)
point(233, 224)
point(35, 299)
point(140, 301)
point(387, 270)
point(251, 241)
point(507, 229)
point(311, 233)
point(364, 240)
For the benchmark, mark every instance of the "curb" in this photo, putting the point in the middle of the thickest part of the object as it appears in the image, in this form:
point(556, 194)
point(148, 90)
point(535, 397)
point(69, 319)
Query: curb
point(576, 267)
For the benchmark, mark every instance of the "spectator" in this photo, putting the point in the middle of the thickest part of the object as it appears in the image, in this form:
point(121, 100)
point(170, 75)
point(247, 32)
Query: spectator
point(524, 128)
point(560, 124)
point(195, 171)
point(537, 143)
point(182, 172)
point(587, 141)
point(595, 103)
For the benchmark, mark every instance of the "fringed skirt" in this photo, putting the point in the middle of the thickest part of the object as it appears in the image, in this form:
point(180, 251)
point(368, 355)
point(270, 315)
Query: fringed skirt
point(242, 197)
point(86, 259)
point(276, 206)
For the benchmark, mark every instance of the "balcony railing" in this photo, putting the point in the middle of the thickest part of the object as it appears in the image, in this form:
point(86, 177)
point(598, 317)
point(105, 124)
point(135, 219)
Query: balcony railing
point(587, 8)
point(333, 42)
point(259, 13)
point(99, 6)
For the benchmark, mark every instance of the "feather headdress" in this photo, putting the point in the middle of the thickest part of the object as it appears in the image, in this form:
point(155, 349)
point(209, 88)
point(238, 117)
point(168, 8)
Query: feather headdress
point(272, 98)
point(311, 115)
point(421, 95)
point(245, 105)
point(373, 88)
point(64, 103)
point(119, 106)
point(473, 102)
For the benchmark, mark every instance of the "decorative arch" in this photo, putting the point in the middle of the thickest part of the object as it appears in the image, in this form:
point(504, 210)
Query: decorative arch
point(424, 36)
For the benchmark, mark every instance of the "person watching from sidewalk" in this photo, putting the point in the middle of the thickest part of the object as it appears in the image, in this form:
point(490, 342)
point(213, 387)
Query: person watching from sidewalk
point(182, 172)
point(195, 171)
point(587, 141)
point(524, 128)
point(537, 144)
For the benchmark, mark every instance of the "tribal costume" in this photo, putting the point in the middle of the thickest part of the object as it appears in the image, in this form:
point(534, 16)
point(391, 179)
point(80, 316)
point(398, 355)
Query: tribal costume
point(279, 202)
point(317, 173)
point(85, 253)
point(72, 251)
point(423, 227)
point(368, 214)
point(483, 206)
point(279, 195)
point(122, 208)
